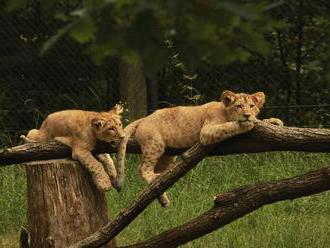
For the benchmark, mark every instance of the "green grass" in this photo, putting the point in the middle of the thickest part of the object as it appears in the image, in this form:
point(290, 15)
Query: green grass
point(299, 223)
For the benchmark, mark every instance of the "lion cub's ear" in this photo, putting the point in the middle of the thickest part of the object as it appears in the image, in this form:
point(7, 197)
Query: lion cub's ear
point(228, 97)
point(117, 109)
point(98, 123)
point(259, 99)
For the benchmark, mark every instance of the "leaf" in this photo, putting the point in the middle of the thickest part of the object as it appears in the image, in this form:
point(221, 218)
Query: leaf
point(84, 30)
point(61, 17)
point(15, 4)
point(274, 5)
point(79, 12)
point(240, 10)
point(89, 4)
point(131, 57)
point(55, 38)
point(190, 78)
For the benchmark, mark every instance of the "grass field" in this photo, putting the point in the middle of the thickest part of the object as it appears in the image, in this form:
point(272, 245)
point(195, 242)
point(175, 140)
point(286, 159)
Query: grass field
point(299, 223)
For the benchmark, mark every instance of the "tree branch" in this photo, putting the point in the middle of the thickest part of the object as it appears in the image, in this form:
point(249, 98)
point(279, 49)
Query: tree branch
point(188, 161)
point(234, 204)
point(264, 137)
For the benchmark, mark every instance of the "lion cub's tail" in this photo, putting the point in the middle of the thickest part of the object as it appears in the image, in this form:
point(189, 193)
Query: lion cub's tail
point(129, 131)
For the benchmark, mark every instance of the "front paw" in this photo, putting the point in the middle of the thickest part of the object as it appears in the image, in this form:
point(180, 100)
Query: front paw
point(24, 139)
point(274, 121)
point(102, 182)
point(103, 186)
point(116, 185)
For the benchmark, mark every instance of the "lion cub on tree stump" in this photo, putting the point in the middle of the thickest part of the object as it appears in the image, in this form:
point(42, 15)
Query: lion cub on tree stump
point(81, 130)
point(183, 126)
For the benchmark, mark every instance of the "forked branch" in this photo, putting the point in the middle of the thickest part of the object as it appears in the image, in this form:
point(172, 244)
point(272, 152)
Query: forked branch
point(189, 160)
point(232, 202)
point(264, 137)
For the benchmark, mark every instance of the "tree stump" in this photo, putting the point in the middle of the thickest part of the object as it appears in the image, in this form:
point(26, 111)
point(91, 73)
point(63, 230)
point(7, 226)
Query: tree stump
point(64, 205)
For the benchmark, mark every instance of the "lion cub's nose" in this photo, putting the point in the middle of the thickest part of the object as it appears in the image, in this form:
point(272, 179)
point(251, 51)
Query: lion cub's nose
point(247, 115)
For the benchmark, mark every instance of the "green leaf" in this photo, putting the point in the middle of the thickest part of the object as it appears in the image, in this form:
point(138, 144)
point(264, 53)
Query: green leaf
point(84, 30)
point(99, 51)
point(131, 56)
point(61, 17)
point(55, 38)
point(240, 10)
point(16, 4)
point(79, 13)
point(93, 3)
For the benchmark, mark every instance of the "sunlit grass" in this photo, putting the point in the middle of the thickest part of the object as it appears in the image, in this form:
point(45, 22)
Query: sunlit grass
point(299, 223)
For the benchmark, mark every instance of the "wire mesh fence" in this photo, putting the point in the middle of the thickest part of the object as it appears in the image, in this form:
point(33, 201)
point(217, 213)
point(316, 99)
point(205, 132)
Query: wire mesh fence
point(66, 78)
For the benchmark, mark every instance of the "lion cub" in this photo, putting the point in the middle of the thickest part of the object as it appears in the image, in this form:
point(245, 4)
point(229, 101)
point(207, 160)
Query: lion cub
point(81, 130)
point(183, 126)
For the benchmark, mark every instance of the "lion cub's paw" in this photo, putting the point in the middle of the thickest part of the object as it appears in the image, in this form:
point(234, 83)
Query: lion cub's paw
point(102, 182)
point(110, 169)
point(274, 121)
point(24, 139)
point(116, 185)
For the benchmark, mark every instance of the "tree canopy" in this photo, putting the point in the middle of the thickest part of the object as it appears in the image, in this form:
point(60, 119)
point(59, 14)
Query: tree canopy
point(202, 31)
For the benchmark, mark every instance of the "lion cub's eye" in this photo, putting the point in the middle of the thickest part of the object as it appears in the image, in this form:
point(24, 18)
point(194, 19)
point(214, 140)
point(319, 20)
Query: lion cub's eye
point(251, 106)
point(111, 129)
point(239, 106)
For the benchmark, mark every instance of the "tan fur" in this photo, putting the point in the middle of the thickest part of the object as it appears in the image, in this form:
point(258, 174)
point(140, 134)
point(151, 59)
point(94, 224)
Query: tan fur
point(81, 130)
point(183, 126)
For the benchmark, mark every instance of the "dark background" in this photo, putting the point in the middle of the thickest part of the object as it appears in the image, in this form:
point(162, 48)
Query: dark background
point(294, 76)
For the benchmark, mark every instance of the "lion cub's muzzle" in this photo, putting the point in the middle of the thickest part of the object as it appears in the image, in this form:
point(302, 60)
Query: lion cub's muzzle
point(248, 117)
point(114, 140)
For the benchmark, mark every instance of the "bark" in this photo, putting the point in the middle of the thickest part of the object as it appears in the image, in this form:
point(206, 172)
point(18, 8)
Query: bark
point(234, 204)
point(238, 202)
point(264, 137)
point(133, 89)
point(188, 161)
point(64, 205)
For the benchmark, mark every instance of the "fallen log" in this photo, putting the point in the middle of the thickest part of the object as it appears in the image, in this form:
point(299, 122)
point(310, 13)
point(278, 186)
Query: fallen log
point(264, 137)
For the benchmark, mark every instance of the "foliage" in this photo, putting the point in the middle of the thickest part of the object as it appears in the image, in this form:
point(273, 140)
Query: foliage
point(294, 73)
point(203, 30)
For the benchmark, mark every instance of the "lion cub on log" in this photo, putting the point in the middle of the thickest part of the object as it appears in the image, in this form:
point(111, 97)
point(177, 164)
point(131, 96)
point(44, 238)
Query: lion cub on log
point(183, 126)
point(81, 130)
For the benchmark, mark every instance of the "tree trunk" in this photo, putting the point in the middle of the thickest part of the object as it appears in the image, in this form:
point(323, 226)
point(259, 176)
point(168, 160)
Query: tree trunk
point(133, 89)
point(64, 205)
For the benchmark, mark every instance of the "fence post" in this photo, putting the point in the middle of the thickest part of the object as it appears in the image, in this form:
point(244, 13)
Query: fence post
point(64, 206)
